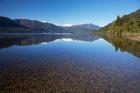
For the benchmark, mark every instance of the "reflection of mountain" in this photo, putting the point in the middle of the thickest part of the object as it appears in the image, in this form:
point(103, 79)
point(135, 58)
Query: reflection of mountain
point(37, 39)
point(125, 45)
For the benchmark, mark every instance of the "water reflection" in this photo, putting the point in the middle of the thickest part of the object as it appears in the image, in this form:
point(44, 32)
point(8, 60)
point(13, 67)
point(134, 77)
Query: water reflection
point(124, 44)
point(66, 64)
point(10, 40)
point(119, 43)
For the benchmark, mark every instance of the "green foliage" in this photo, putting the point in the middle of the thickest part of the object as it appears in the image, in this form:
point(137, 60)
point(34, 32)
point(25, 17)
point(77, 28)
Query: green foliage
point(128, 23)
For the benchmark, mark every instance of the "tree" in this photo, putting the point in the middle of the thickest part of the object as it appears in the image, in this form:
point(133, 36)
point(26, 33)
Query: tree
point(118, 21)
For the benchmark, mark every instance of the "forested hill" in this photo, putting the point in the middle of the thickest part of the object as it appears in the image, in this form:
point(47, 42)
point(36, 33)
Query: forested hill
point(126, 24)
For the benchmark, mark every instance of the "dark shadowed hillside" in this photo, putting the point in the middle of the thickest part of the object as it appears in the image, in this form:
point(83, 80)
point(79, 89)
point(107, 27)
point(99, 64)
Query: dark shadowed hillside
point(37, 25)
point(8, 25)
point(7, 22)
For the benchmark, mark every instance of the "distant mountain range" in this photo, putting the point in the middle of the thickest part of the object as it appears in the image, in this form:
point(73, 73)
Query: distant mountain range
point(8, 25)
point(82, 27)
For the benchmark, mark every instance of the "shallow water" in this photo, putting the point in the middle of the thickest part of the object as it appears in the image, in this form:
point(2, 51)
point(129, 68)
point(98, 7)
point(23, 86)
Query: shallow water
point(65, 64)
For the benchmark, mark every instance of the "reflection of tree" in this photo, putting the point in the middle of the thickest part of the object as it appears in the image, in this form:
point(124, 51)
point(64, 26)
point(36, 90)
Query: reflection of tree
point(124, 44)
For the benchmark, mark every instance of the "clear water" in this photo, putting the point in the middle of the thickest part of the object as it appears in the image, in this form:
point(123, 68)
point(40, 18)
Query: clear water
point(63, 64)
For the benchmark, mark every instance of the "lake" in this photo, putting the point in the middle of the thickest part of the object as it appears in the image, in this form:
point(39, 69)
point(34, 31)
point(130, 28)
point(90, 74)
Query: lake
point(59, 63)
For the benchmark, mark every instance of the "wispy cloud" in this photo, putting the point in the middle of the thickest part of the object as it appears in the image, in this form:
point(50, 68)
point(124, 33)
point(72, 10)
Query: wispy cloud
point(67, 25)
point(44, 21)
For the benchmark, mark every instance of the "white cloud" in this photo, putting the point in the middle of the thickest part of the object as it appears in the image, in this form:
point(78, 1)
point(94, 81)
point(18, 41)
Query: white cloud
point(57, 24)
point(44, 21)
point(67, 25)
point(64, 25)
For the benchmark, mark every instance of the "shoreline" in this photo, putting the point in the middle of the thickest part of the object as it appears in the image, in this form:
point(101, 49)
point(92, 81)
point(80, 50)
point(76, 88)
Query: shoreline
point(133, 36)
point(130, 36)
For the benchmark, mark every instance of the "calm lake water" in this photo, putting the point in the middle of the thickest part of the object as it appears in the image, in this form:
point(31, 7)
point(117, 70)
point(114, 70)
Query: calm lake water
point(68, 64)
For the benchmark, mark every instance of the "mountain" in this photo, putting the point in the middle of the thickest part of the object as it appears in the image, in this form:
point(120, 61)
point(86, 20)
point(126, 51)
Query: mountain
point(40, 26)
point(8, 25)
point(7, 22)
point(87, 26)
point(82, 27)
point(127, 24)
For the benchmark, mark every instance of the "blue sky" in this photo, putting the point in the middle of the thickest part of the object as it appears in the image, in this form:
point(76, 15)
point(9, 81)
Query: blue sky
point(99, 12)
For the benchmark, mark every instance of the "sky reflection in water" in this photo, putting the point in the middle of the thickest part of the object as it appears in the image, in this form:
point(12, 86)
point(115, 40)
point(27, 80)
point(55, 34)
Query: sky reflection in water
point(94, 63)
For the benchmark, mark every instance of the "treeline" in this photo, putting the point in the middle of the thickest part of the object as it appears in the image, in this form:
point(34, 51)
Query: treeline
point(126, 24)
